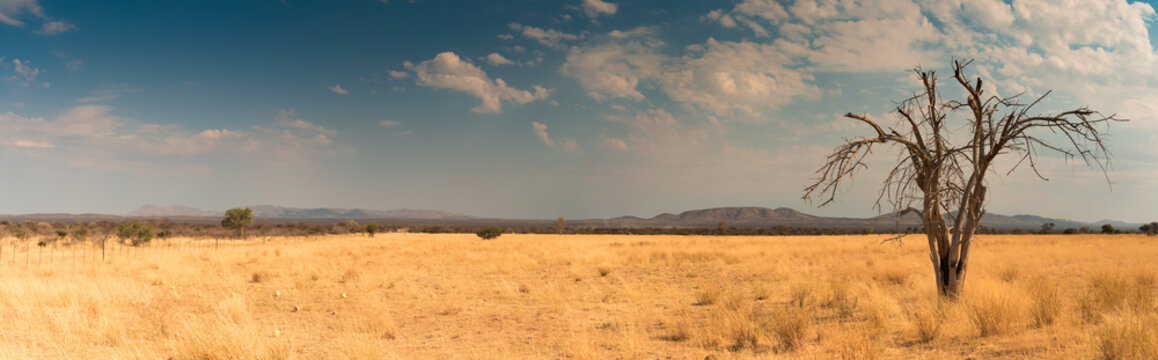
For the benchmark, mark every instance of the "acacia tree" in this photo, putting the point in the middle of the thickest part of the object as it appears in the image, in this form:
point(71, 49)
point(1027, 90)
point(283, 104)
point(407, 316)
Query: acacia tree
point(941, 176)
point(237, 218)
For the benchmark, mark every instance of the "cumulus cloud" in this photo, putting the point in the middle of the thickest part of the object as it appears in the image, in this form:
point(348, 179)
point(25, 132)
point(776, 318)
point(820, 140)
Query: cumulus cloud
point(614, 70)
point(724, 78)
point(495, 59)
point(550, 38)
point(337, 89)
point(398, 74)
point(595, 8)
point(567, 145)
point(449, 71)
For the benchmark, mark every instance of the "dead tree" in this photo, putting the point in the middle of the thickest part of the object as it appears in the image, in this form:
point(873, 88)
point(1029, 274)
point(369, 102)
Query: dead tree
point(945, 182)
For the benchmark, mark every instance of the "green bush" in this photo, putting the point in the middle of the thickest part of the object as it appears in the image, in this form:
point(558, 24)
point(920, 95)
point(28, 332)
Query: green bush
point(489, 233)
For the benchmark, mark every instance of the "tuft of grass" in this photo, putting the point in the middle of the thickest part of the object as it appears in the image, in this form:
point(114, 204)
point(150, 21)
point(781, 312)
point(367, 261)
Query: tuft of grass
point(760, 291)
point(707, 296)
point(993, 310)
point(604, 269)
point(259, 277)
point(1108, 292)
point(1046, 302)
point(801, 293)
point(840, 298)
point(790, 327)
point(1125, 335)
point(927, 320)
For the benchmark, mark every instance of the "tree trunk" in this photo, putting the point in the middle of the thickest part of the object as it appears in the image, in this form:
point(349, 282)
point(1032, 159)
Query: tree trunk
point(949, 281)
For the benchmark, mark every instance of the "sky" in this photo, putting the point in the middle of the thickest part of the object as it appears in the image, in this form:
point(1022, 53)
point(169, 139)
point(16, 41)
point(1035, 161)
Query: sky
point(539, 109)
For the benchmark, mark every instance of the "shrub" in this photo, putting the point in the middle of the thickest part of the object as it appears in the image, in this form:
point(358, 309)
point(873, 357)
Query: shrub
point(489, 233)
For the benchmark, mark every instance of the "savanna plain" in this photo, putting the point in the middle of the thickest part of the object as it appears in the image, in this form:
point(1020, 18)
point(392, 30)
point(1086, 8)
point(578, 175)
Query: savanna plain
point(454, 296)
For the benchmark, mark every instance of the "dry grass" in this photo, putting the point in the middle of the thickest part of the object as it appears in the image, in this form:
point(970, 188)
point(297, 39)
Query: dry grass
point(420, 296)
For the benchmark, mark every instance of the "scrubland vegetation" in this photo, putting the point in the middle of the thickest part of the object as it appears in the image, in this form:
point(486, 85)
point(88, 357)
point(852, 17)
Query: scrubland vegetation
point(454, 296)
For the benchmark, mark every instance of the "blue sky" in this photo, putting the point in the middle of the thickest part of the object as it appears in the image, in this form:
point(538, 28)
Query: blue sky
point(536, 109)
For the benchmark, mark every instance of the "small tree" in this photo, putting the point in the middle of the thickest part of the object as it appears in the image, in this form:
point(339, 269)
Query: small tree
point(237, 218)
point(61, 234)
point(1107, 229)
point(79, 232)
point(940, 176)
point(1047, 228)
point(722, 226)
point(136, 232)
point(560, 225)
point(19, 233)
point(489, 233)
point(370, 229)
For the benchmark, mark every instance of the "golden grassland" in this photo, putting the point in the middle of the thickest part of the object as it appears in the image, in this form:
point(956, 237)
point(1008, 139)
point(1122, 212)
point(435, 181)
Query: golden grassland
point(422, 296)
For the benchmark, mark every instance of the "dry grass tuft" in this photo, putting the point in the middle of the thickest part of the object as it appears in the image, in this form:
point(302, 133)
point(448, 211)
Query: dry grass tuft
point(927, 319)
point(790, 327)
point(1124, 335)
point(993, 309)
point(1046, 302)
point(1108, 292)
point(707, 296)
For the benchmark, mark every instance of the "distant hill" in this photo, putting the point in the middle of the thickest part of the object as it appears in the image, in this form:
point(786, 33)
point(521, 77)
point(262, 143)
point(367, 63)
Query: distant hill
point(150, 210)
point(281, 212)
point(760, 217)
point(735, 217)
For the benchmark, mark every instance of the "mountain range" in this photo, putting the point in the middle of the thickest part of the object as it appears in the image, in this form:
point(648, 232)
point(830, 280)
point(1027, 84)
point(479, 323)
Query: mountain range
point(281, 212)
point(736, 217)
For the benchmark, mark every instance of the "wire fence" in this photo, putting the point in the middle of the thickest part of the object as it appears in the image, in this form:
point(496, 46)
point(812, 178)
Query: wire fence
point(36, 253)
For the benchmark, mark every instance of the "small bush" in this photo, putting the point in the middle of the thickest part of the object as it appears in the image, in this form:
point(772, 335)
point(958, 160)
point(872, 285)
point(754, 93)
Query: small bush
point(489, 233)
point(604, 270)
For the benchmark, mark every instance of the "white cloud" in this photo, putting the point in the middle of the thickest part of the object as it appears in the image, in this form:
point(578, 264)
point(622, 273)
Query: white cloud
point(725, 78)
point(34, 144)
point(614, 70)
point(612, 143)
point(25, 73)
point(567, 145)
point(337, 89)
point(55, 27)
point(389, 123)
point(74, 65)
point(288, 118)
point(399, 74)
point(448, 71)
point(495, 59)
point(594, 8)
point(636, 32)
point(550, 38)
point(541, 132)
point(11, 10)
